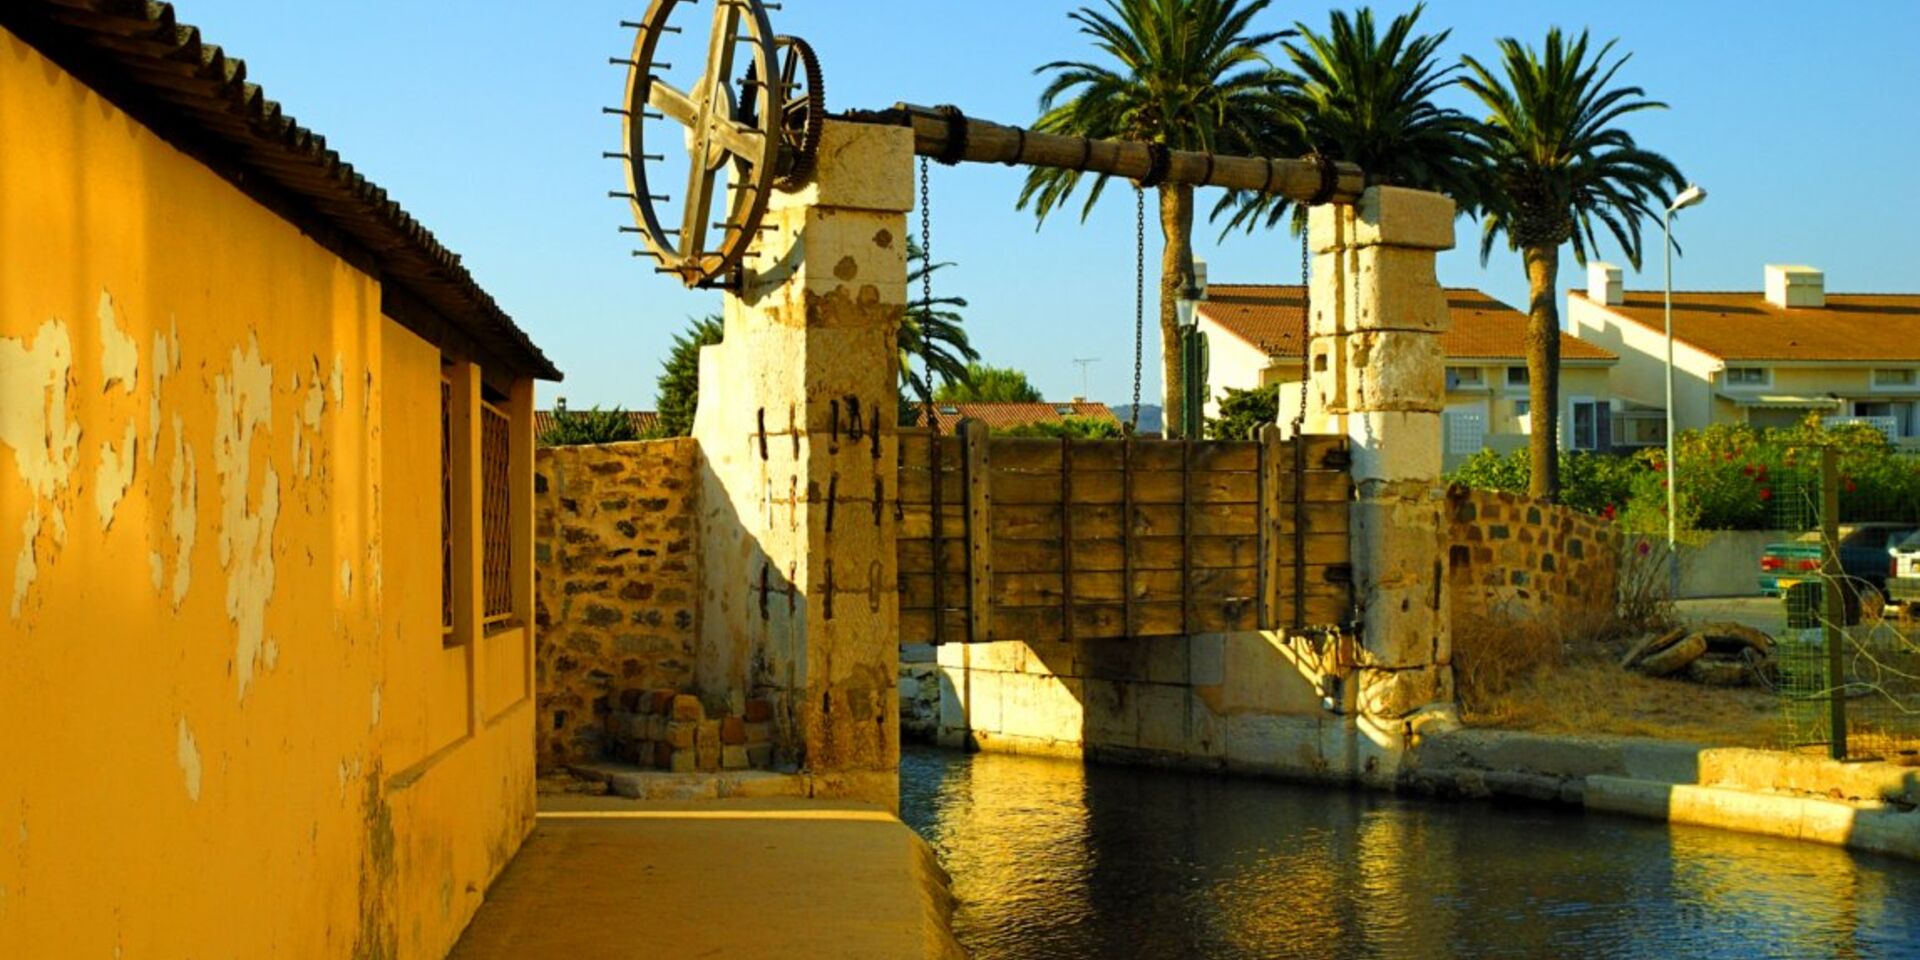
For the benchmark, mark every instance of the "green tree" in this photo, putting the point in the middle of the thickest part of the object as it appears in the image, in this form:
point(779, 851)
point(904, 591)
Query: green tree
point(1244, 412)
point(1557, 163)
point(931, 334)
point(986, 384)
point(1354, 93)
point(1186, 74)
point(1079, 428)
point(584, 427)
point(678, 390)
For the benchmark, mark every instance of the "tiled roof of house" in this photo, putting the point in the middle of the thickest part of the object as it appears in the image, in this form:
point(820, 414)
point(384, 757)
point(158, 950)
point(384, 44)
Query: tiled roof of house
point(1000, 416)
point(1744, 326)
point(1268, 317)
point(137, 55)
point(643, 421)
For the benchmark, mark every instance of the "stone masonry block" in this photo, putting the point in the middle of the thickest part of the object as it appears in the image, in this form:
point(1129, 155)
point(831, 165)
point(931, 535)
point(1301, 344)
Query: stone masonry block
point(682, 760)
point(759, 711)
point(1396, 370)
point(1395, 446)
point(759, 756)
point(734, 757)
point(861, 166)
point(1393, 694)
point(1397, 543)
point(1399, 217)
point(759, 733)
point(687, 707)
point(1403, 628)
point(682, 734)
point(1397, 289)
point(733, 730)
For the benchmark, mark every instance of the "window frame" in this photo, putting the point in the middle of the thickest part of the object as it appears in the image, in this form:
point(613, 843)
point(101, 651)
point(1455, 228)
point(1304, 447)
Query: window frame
point(1912, 383)
point(1727, 381)
point(1526, 376)
point(1456, 382)
point(1573, 423)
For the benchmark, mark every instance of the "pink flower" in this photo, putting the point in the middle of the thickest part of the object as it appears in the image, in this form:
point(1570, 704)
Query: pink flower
point(1645, 548)
point(1766, 494)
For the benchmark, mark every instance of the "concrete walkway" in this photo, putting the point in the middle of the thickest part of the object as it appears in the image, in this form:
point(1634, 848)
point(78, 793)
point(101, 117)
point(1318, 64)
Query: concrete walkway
point(604, 877)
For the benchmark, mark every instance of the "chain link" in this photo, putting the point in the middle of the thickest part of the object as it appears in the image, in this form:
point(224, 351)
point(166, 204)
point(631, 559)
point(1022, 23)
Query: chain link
point(926, 293)
point(1306, 325)
point(1139, 301)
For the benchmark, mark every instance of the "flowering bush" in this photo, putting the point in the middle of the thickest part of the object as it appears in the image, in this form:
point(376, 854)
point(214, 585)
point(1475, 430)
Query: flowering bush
point(1591, 482)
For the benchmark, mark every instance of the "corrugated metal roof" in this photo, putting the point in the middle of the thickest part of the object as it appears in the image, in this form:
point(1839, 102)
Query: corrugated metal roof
point(1743, 325)
point(1001, 416)
point(138, 55)
point(1268, 317)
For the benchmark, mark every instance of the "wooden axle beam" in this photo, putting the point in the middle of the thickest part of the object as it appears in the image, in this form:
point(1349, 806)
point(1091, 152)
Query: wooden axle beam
point(947, 135)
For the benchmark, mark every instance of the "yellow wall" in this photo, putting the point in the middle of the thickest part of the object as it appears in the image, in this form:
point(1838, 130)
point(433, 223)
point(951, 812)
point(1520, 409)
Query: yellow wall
point(229, 725)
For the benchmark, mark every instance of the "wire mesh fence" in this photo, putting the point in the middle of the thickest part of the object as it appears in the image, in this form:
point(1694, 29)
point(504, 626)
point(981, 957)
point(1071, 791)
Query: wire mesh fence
point(1848, 651)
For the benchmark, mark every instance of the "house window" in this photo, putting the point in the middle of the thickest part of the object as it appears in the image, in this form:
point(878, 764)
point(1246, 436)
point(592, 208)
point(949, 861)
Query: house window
point(1466, 432)
point(1523, 417)
point(1749, 377)
point(446, 510)
point(1894, 378)
point(1585, 425)
point(1465, 378)
point(1518, 377)
point(496, 517)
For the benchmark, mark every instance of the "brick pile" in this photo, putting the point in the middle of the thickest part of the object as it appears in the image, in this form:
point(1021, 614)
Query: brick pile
point(668, 730)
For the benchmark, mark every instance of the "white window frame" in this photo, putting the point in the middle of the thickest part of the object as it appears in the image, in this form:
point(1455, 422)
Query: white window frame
point(1523, 416)
point(1457, 382)
point(1727, 381)
point(1526, 377)
point(1572, 426)
point(1912, 384)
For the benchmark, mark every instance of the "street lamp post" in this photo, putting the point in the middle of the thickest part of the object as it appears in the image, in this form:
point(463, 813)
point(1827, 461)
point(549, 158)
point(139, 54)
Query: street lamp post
point(1687, 198)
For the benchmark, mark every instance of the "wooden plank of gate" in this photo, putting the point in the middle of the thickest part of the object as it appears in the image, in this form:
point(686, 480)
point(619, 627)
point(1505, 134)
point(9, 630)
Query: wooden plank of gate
point(1186, 536)
point(979, 464)
point(1126, 535)
point(1270, 443)
point(936, 514)
point(1066, 535)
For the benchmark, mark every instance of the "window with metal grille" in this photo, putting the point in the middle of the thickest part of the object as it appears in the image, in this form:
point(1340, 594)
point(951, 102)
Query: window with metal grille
point(496, 519)
point(446, 508)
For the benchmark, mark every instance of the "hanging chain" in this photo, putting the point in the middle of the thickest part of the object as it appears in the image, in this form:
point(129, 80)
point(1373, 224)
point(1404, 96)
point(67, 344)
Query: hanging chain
point(926, 293)
point(1306, 323)
point(1139, 300)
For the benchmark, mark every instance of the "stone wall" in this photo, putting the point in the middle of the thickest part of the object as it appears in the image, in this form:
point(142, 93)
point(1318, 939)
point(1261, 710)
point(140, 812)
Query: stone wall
point(618, 585)
point(1509, 556)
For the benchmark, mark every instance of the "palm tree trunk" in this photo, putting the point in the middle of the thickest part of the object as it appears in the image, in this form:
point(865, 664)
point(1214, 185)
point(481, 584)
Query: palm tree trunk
point(1176, 266)
point(1543, 370)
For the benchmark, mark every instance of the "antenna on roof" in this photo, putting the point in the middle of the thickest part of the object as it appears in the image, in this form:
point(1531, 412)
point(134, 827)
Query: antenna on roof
point(1083, 363)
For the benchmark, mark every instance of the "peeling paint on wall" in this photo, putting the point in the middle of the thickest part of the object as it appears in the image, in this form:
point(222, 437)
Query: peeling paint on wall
point(243, 402)
point(185, 477)
point(34, 421)
point(376, 706)
point(336, 384)
point(189, 756)
point(119, 356)
point(114, 475)
point(346, 577)
point(311, 410)
point(166, 362)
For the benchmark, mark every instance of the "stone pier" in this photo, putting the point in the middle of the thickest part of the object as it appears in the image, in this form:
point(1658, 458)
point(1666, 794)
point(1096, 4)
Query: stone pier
point(796, 428)
point(1378, 376)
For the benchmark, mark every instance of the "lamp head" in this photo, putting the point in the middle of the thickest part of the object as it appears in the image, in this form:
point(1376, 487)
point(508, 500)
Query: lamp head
point(1691, 196)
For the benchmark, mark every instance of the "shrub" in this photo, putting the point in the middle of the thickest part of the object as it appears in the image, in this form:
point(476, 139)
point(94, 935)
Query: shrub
point(1736, 477)
point(573, 428)
point(1244, 412)
point(1079, 428)
point(678, 390)
point(1596, 483)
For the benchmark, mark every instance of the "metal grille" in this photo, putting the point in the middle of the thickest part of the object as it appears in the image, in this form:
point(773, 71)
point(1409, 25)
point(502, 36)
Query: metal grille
point(446, 507)
point(495, 517)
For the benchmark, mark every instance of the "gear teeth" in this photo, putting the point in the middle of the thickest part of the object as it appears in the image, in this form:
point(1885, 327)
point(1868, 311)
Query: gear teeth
point(805, 143)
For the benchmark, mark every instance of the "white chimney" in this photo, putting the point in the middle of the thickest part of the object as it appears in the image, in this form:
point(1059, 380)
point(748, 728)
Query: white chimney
point(1789, 286)
point(1200, 277)
point(1606, 284)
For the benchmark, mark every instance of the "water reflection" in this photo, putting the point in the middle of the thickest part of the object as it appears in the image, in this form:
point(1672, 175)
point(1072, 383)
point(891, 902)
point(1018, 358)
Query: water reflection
point(1050, 859)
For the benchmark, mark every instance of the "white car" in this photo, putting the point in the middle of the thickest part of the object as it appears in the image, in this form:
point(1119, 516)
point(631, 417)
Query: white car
point(1903, 577)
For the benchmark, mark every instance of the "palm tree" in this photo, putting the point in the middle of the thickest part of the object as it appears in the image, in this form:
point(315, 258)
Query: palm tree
point(1556, 166)
point(1355, 94)
point(1187, 74)
point(931, 333)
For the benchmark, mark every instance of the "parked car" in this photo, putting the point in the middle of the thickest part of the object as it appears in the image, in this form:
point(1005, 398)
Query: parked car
point(1863, 564)
point(1903, 574)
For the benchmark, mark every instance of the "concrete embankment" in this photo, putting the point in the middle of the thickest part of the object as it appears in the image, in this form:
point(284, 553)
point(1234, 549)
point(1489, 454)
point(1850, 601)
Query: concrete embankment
point(1863, 806)
point(773, 877)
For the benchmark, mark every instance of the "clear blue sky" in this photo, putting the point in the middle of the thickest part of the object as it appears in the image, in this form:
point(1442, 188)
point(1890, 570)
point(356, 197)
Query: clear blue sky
point(483, 118)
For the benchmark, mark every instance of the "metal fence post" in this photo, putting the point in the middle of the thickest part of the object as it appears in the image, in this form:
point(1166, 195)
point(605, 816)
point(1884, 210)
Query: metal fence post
point(1833, 602)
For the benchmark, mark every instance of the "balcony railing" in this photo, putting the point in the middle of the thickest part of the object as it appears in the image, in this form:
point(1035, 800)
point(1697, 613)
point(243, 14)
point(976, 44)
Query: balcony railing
point(1887, 425)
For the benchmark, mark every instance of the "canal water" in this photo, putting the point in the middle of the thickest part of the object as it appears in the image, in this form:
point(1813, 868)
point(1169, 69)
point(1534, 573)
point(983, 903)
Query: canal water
point(1054, 860)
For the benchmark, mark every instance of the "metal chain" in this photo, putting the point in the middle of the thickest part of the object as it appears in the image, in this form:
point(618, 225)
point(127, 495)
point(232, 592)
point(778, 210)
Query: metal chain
point(1306, 321)
point(1139, 300)
point(926, 292)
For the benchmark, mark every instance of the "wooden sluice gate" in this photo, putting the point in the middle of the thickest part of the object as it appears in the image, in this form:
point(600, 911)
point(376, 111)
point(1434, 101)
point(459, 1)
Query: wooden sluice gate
point(1004, 538)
